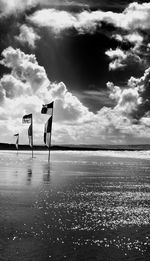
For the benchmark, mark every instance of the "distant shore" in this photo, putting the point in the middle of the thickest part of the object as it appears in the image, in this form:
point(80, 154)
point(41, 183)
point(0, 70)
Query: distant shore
point(6, 146)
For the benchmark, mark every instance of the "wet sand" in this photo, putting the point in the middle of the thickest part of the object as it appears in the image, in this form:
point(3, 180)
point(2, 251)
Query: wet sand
point(81, 206)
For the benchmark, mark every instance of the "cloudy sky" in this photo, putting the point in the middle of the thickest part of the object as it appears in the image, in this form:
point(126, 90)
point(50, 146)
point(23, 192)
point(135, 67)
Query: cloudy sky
point(90, 57)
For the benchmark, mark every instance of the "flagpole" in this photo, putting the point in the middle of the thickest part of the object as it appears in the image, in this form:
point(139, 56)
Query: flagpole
point(17, 141)
point(32, 135)
point(18, 145)
point(50, 138)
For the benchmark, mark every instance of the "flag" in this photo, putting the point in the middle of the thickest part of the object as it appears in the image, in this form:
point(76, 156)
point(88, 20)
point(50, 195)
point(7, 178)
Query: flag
point(47, 108)
point(17, 134)
point(17, 140)
point(30, 135)
point(47, 132)
point(27, 118)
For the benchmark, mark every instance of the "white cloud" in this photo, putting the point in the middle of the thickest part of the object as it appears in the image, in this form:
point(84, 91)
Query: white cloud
point(118, 37)
point(27, 35)
point(122, 58)
point(128, 99)
point(60, 20)
point(73, 123)
point(134, 37)
point(127, 102)
point(146, 120)
point(67, 106)
point(140, 83)
point(11, 87)
point(57, 20)
point(8, 7)
point(27, 88)
point(118, 56)
point(135, 16)
point(25, 68)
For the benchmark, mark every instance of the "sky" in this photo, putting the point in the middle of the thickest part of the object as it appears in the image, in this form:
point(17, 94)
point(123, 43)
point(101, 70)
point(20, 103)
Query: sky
point(90, 57)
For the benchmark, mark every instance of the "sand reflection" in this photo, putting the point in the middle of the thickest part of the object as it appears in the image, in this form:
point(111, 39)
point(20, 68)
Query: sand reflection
point(46, 173)
point(29, 176)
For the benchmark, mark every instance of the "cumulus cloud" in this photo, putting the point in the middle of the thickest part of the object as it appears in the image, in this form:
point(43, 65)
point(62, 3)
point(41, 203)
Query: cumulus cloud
point(11, 87)
point(137, 16)
point(8, 7)
point(118, 56)
point(140, 83)
point(135, 38)
point(57, 20)
point(134, 17)
point(25, 68)
point(73, 122)
point(27, 88)
point(27, 35)
point(128, 99)
point(60, 20)
point(121, 59)
point(129, 22)
point(29, 78)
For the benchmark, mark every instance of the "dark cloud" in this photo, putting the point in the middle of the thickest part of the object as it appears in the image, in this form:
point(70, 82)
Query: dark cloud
point(95, 99)
point(78, 60)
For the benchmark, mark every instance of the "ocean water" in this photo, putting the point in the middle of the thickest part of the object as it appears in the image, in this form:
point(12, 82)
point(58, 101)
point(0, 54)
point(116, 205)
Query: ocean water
point(80, 206)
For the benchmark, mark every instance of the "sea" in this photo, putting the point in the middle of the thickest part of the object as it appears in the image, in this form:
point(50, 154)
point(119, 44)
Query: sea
point(82, 205)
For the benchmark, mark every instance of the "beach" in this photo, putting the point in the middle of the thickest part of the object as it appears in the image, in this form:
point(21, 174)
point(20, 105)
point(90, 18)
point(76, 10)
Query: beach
point(91, 205)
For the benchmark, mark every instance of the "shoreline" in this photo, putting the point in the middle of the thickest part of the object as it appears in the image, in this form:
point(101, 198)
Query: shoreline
point(140, 147)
